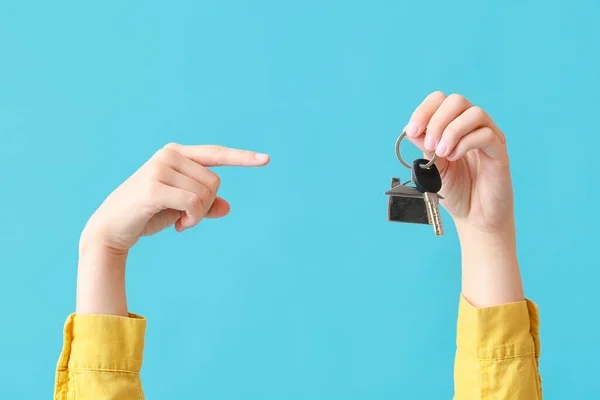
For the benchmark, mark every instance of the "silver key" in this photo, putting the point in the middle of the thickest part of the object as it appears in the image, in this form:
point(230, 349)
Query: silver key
point(432, 204)
point(429, 182)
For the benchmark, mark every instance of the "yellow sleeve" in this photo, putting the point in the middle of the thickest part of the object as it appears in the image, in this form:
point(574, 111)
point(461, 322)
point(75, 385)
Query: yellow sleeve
point(101, 358)
point(497, 352)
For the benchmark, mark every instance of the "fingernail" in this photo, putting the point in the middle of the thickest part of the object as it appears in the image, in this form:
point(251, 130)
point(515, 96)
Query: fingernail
point(429, 143)
point(261, 157)
point(412, 129)
point(441, 149)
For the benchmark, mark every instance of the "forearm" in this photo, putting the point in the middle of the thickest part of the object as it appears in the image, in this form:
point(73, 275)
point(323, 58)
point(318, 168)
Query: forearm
point(498, 331)
point(101, 280)
point(490, 269)
point(103, 344)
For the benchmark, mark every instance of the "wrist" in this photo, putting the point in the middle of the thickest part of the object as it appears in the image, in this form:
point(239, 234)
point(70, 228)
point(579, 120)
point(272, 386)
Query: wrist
point(473, 239)
point(490, 267)
point(95, 240)
point(101, 279)
point(90, 244)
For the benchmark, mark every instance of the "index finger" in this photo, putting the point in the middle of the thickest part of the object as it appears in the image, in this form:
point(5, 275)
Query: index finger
point(423, 113)
point(218, 156)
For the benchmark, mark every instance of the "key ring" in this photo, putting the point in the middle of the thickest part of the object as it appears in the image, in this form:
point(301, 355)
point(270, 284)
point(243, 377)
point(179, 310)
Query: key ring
point(426, 166)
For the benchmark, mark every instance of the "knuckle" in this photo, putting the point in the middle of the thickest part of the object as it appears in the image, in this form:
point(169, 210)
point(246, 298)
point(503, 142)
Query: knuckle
point(156, 170)
point(214, 181)
point(149, 191)
point(488, 134)
point(478, 112)
point(205, 195)
point(458, 99)
point(438, 94)
point(171, 146)
point(216, 149)
point(217, 153)
point(196, 205)
point(502, 138)
point(195, 201)
point(166, 155)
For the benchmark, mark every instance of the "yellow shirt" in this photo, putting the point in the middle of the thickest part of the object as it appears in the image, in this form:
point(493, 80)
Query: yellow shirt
point(496, 358)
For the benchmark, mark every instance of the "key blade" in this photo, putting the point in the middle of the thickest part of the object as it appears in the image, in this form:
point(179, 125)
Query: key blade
point(433, 212)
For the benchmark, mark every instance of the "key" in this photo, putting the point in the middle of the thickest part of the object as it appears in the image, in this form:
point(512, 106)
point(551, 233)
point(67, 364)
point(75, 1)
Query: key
point(429, 182)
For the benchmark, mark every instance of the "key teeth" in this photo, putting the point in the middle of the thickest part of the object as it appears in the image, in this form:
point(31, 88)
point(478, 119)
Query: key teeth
point(438, 228)
point(433, 214)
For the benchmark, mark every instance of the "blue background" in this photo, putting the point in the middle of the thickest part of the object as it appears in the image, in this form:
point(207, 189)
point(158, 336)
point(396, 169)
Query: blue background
point(304, 291)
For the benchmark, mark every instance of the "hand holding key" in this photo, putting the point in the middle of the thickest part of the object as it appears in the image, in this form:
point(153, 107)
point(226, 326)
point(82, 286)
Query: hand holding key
point(473, 161)
point(477, 190)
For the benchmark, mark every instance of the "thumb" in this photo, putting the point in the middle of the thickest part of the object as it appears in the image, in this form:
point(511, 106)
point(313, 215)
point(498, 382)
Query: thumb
point(219, 209)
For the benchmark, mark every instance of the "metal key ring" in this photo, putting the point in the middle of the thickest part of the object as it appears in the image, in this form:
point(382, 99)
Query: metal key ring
point(407, 165)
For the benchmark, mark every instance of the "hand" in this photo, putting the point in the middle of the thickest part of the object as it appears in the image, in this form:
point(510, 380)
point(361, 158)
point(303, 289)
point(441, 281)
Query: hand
point(477, 191)
point(173, 188)
point(473, 160)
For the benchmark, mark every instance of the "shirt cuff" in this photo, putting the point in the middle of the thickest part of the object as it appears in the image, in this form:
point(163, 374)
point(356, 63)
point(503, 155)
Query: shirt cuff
point(499, 332)
point(104, 342)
